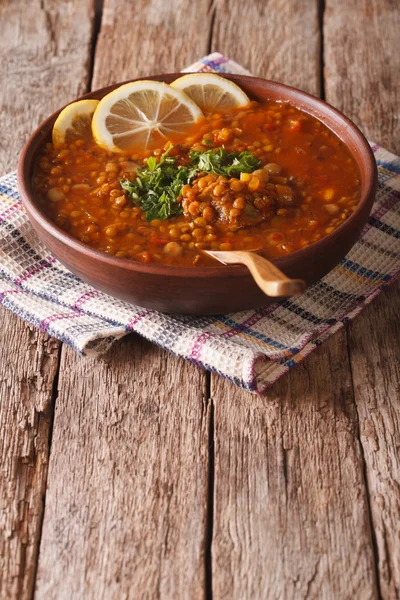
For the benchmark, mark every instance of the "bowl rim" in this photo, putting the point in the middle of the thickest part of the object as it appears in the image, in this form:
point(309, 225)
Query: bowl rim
point(27, 194)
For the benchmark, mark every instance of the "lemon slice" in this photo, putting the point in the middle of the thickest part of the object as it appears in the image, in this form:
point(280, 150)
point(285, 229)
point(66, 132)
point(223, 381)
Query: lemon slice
point(142, 114)
point(74, 122)
point(211, 92)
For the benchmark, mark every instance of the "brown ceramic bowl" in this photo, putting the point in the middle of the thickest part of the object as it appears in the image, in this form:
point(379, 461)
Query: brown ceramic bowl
point(204, 290)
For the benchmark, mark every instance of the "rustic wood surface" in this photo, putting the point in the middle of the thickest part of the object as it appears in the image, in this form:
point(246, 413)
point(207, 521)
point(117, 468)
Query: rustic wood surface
point(139, 449)
point(44, 58)
point(364, 36)
point(288, 465)
point(164, 481)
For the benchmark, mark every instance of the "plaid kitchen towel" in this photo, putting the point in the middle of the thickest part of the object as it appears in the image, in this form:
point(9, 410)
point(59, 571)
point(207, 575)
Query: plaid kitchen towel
point(253, 348)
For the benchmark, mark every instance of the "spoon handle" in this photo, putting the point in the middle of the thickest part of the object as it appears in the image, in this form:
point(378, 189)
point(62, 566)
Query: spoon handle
point(267, 276)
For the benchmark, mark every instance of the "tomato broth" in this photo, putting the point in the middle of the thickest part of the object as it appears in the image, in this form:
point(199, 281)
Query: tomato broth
point(304, 184)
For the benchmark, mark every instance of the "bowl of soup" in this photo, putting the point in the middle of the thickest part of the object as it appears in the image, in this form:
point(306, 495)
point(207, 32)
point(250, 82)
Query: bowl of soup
point(287, 175)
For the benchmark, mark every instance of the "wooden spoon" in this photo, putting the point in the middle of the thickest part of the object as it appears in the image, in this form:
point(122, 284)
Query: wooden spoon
point(266, 275)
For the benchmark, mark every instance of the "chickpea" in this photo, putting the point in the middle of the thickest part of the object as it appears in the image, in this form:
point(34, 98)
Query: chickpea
point(225, 246)
point(111, 231)
point(194, 208)
point(186, 191)
point(225, 135)
point(332, 209)
point(120, 201)
point(174, 233)
point(236, 185)
point(80, 187)
point(273, 169)
point(200, 222)
point(210, 237)
point(219, 190)
point(208, 214)
point(55, 194)
point(173, 249)
point(186, 237)
point(129, 166)
point(254, 184)
point(239, 202)
point(110, 166)
point(198, 233)
point(262, 174)
point(105, 189)
point(202, 183)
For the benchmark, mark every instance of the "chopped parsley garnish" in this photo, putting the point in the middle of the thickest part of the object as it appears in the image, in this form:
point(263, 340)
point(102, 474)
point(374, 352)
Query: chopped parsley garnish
point(158, 184)
point(221, 162)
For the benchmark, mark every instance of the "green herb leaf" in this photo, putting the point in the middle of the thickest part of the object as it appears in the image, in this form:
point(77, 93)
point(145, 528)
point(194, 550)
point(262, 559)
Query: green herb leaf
point(221, 162)
point(152, 163)
point(158, 184)
point(245, 162)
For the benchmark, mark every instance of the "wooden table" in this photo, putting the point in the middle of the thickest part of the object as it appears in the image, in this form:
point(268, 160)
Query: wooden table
point(141, 476)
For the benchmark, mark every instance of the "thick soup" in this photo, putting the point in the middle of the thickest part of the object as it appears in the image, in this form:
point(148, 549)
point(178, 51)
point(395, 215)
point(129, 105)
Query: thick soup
point(267, 176)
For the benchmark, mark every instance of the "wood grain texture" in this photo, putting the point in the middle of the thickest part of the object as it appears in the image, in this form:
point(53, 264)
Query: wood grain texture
point(291, 514)
point(126, 502)
point(126, 506)
point(147, 37)
point(291, 509)
point(44, 57)
point(362, 65)
point(275, 39)
point(374, 350)
point(28, 363)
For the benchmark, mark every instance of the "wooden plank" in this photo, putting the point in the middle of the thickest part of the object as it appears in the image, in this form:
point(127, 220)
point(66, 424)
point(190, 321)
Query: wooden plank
point(28, 363)
point(278, 39)
point(291, 513)
point(126, 503)
point(374, 350)
point(153, 37)
point(362, 64)
point(126, 506)
point(44, 57)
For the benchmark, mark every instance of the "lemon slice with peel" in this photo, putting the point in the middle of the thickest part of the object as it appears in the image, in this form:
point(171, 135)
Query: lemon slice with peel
point(211, 92)
point(142, 114)
point(74, 122)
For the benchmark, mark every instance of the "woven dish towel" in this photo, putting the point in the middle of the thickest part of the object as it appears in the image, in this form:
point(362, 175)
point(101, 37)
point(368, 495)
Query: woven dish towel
point(252, 349)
